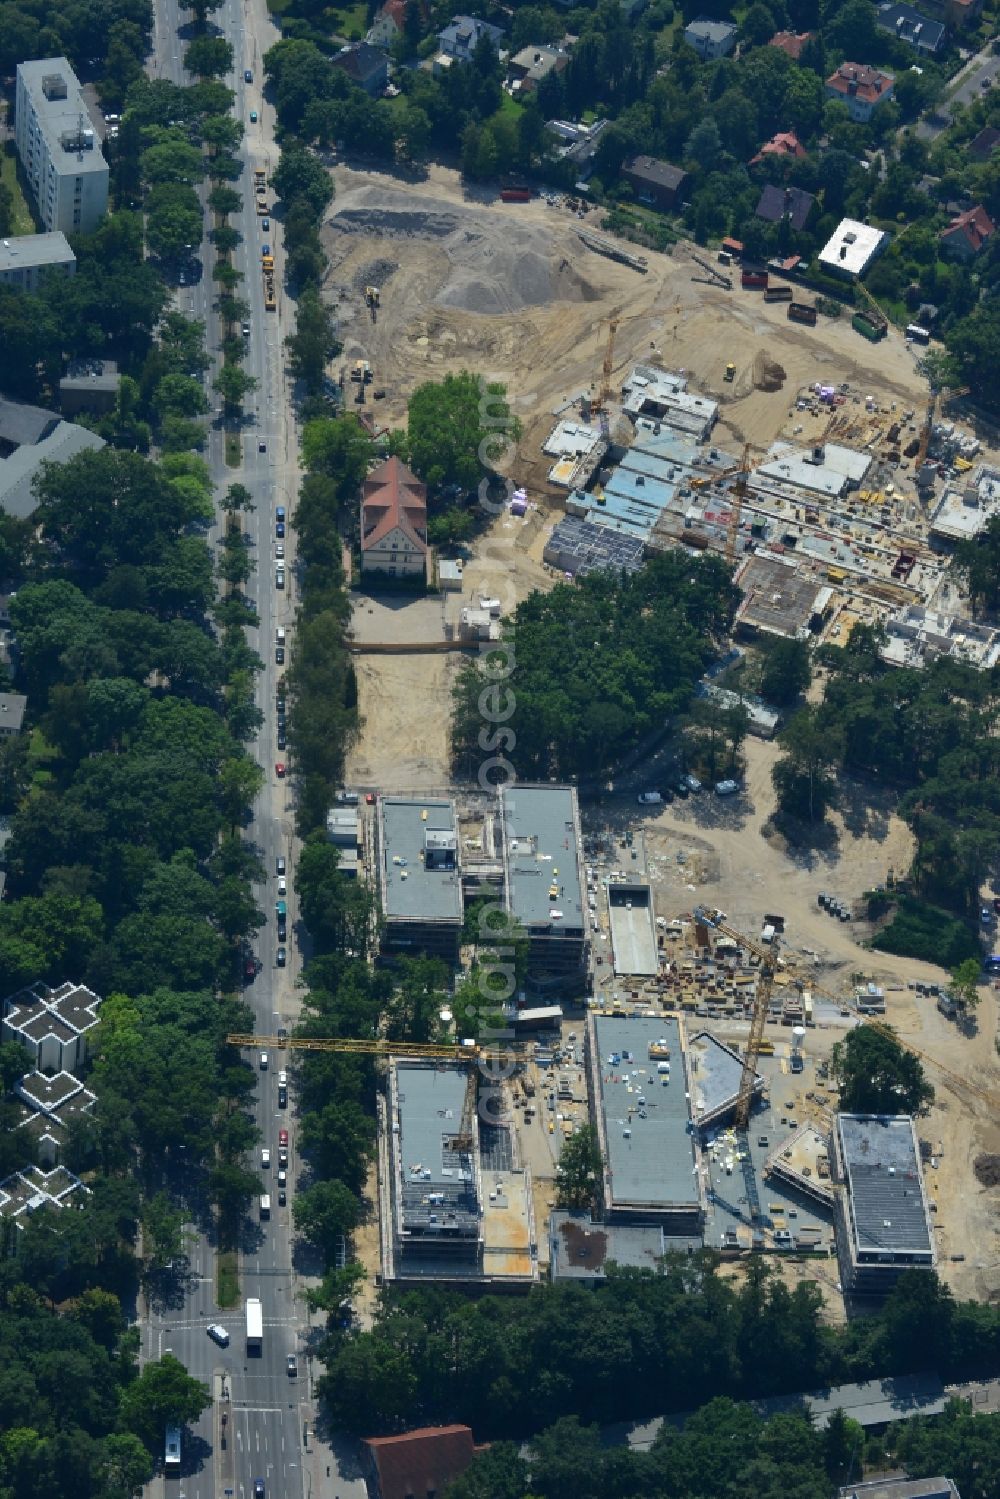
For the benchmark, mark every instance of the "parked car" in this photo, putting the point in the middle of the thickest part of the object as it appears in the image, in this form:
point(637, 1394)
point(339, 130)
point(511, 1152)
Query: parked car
point(281, 957)
point(282, 890)
point(282, 1133)
point(265, 249)
point(253, 117)
point(279, 550)
point(293, 1366)
point(279, 769)
point(683, 789)
point(265, 1159)
point(282, 1177)
point(248, 78)
point(649, 798)
point(246, 330)
point(692, 783)
point(279, 577)
point(282, 1197)
point(282, 1097)
point(218, 1334)
point(726, 788)
point(265, 225)
point(263, 1061)
point(279, 865)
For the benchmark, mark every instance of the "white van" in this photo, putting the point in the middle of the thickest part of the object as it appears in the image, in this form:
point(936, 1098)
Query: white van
point(265, 1207)
point(279, 635)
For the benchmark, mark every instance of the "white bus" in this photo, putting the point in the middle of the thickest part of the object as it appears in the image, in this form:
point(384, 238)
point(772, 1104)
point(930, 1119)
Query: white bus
point(255, 1325)
point(172, 1450)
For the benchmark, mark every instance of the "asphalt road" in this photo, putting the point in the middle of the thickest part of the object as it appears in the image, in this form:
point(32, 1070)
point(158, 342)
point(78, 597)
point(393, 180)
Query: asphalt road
point(265, 1409)
point(984, 65)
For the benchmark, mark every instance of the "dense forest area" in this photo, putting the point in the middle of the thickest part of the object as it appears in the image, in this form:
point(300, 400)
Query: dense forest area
point(600, 664)
point(638, 1345)
point(726, 1451)
point(930, 735)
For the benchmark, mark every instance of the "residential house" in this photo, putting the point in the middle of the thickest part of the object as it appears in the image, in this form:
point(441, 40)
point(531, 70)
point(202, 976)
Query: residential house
point(364, 65)
point(12, 706)
point(418, 1464)
point(966, 235)
point(51, 1105)
point(791, 203)
point(529, 66)
point(29, 1190)
point(26, 258)
point(462, 35)
point(954, 13)
point(861, 88)
point(656, 182)
point(89, 385)
point(899, 1486)
point(981, 147)
point(390, 19)
point(29, 437)
point(908, 25)
point(51, 1024)
point(785, 144)
point(791, 42)
point(578, 145)
point(710, 38)
point(851, 248)
point(394, 522)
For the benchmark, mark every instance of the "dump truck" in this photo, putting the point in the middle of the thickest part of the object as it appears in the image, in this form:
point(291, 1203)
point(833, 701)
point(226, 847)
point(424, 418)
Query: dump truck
point(753, 278)
point(777, 294)
point(515, 195)
point(802, 312)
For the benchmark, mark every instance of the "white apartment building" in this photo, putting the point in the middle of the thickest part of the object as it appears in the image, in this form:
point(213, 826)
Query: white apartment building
point(58, 147)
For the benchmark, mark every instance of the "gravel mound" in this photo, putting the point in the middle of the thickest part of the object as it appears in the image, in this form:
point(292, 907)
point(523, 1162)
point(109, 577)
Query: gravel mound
point(987, 1169)
point(496, 265)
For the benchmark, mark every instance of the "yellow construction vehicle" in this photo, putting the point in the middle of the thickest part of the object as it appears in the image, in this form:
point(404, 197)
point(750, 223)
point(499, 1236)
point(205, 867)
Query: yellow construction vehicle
point(730, 372)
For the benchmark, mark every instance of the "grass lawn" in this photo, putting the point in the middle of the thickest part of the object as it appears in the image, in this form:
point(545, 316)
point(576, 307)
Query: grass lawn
point(234, 450)
point(509, 106)
point(23, 223)
point(228, 1278)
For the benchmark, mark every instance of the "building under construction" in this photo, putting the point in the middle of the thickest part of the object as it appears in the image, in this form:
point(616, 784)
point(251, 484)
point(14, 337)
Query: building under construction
point(455, 1204)
point(640, 1102)
point(881, 1217)
point(419, 883)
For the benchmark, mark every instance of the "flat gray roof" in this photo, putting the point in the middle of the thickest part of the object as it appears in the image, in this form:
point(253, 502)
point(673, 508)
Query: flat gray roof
point(885, 1183)
point(410, 890)
point(430, 1108)
point(35, 250)
point(540, 827)
point(59, 117)
point(633, 942)
point(12, 706)
point(655, 1165)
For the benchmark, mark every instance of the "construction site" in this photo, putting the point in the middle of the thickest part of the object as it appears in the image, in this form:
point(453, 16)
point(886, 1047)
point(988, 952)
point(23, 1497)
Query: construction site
point(664, 400)
point(667, 401)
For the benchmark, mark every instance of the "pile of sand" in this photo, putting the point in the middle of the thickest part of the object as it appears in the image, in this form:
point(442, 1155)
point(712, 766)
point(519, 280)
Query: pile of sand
point(767, 375)
point(987, 1169)
point(496, 265)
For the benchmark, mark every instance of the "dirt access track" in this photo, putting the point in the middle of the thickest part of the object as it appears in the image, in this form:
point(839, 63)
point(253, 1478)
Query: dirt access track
point(511, 290)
